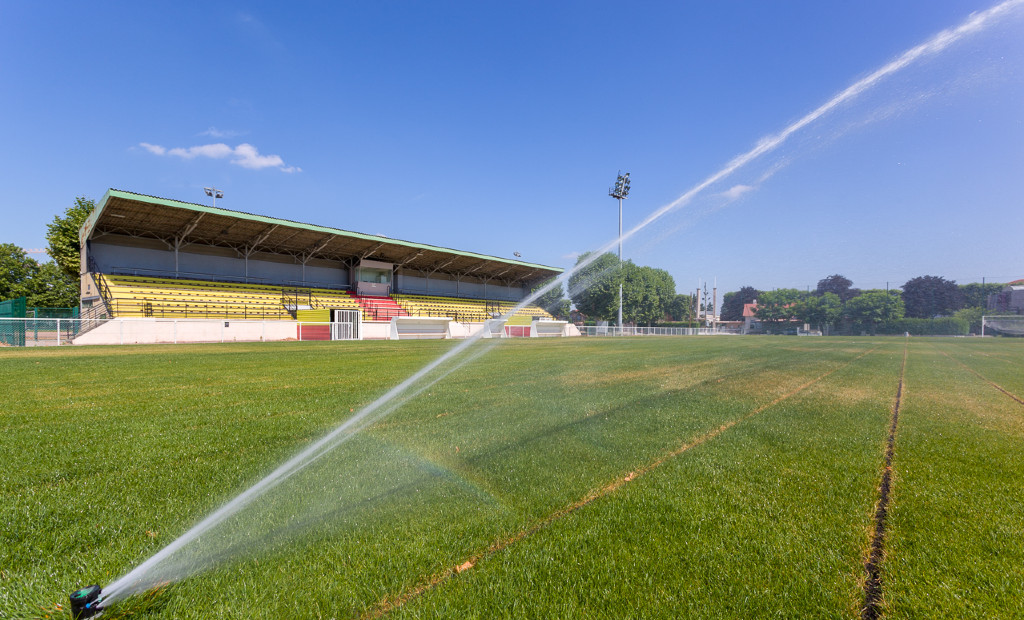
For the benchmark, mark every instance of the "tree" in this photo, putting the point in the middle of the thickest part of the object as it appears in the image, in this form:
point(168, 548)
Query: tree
point(681, 308)
point(875, 307)
point(838, 284)
point(973, 316)
point(732, 303)
point(975, 295)
point(822, 311)
point(62, 236)
point(16, 272)
point(563, 310)
point(926, 297)
point(52, 288)
point(646, 293)
point(778, 305)
point(553, 300)
point(595, 288)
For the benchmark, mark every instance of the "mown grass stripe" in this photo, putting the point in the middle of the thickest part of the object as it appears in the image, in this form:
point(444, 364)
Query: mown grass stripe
point(390, 604)
point(873, 567)
point(985, 379)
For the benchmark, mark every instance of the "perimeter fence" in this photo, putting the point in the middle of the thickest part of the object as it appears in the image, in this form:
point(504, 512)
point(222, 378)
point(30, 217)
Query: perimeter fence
point(31, 332)
point(43, 332)
point(610, 330)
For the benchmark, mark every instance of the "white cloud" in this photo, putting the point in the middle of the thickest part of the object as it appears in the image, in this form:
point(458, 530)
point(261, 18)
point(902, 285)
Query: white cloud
point(153, 148)
point(736, 191)
point(571, 256)
point(213, 132)
point(244, 155)
point(247, 156)
point(214, 151)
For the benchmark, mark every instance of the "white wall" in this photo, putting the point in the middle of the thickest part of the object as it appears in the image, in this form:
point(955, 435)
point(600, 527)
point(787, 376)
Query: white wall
point(154, 331)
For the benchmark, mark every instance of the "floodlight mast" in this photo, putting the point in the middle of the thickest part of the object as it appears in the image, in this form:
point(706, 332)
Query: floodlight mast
point(214, 193)
point(620, 192)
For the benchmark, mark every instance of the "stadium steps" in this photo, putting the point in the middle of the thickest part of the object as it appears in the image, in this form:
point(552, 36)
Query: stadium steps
point(378, 308)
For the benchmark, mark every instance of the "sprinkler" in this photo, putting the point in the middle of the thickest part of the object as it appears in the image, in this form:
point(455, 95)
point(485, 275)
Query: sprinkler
point(85, 603)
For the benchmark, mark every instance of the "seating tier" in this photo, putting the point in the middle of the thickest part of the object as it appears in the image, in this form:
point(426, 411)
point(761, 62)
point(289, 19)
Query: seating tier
point(137, 296)
point(467, 310)
point(140, 296)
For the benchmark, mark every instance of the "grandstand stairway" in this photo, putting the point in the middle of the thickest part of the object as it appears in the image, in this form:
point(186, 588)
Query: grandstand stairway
point(378, 308)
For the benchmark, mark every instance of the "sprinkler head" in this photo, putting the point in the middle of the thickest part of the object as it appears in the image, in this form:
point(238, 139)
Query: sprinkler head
point(85, 603)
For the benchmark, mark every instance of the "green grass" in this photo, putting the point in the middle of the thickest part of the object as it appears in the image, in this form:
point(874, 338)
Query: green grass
point(957, 540)
point(109, 453)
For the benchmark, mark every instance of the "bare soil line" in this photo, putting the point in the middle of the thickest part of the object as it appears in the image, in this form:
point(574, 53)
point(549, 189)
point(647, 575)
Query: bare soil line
point(984, 378)
point(390, 603)
point(876, 551)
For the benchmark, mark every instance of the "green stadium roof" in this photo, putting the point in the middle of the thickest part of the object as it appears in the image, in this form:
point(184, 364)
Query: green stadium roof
point(139, 215)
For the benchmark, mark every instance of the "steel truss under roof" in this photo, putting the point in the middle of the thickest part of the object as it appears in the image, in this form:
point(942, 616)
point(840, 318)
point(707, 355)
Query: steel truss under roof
point(182, 223)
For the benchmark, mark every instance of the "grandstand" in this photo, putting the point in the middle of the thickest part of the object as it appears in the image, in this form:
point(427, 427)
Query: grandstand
point(150, 258)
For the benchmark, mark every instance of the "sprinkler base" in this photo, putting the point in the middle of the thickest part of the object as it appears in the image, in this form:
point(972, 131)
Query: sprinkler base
point(85, 603)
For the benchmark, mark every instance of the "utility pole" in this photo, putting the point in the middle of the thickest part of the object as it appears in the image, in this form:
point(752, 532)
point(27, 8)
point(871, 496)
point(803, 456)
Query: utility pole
point(620, 192)
point(714, 305)
point(696, 297)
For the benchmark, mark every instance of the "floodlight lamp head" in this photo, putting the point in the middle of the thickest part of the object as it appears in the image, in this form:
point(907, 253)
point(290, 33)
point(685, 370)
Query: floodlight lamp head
point(220, 194)
point(621, 189)
point(208, 190)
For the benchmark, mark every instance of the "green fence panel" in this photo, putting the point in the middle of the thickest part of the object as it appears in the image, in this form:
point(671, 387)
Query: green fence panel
point(53, 313)
point(12, 333)
point(14, 308)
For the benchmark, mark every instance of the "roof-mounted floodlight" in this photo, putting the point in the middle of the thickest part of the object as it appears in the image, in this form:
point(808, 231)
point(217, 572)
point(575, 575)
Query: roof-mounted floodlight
point(214, 193)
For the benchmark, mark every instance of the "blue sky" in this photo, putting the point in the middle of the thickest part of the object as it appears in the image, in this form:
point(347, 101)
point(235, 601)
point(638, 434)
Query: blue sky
point(498, 127)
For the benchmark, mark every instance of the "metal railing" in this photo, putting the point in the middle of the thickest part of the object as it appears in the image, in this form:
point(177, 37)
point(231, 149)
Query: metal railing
point(22, 332)
point(31, 332)
point(614, 330)
point(219, 277)
point(154, 308)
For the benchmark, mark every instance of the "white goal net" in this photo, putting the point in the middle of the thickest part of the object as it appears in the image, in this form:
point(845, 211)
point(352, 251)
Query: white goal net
point(1002, 325)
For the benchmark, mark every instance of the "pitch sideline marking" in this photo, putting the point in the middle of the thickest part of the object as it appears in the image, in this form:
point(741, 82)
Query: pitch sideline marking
point(984, 378)
point(876, 550)
point(389, 604)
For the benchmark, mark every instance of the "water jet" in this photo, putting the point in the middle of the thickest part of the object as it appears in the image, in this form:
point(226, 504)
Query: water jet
point(182, 556)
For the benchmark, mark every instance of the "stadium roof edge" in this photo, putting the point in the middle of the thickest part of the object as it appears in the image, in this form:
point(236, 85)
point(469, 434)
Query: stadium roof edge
point(115, 195)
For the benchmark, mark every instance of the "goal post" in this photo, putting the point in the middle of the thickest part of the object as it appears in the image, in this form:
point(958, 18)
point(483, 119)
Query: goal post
point(546, 328)
point(1011, 325)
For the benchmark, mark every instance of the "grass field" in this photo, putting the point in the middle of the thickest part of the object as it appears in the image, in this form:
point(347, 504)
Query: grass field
point(634, 477)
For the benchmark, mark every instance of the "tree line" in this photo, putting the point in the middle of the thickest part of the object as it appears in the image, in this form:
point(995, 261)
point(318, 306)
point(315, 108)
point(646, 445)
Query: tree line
point(648, 293)
point(51, 284)
point(835, 301)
